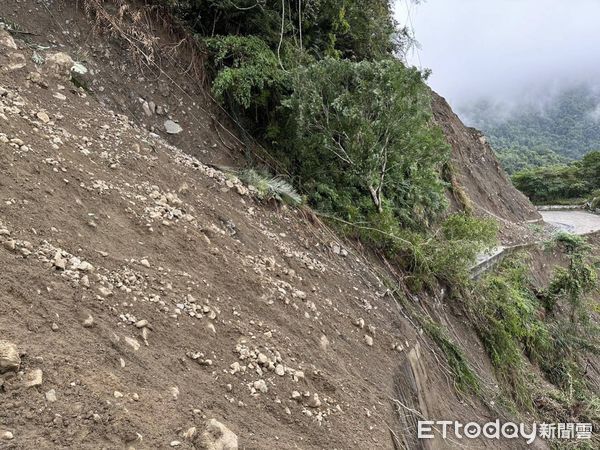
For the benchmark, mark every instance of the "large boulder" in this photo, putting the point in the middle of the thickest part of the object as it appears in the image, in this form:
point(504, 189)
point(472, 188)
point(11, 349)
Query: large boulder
point(59, 65)
point(9, 59)
point(10, 360)
point(6, 40)
point(217, 436)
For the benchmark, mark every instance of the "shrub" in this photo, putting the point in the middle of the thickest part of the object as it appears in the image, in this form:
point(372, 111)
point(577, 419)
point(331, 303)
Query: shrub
point(246, 74)
point(514, 323)
point(359, 138)
point(269, 187)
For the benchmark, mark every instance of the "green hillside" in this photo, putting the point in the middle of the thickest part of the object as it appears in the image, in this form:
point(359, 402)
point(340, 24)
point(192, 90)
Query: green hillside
point(558, 130)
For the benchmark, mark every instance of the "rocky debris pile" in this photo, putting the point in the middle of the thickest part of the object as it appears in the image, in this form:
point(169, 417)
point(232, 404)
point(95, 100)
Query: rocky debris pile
point(205, 272)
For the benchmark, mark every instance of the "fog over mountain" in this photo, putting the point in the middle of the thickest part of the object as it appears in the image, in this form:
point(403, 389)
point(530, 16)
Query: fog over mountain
point(505, 51)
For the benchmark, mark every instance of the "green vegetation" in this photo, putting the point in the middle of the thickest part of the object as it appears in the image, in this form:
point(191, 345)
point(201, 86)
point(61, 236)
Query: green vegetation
point(563, 183)
point(318, 86)
point(519, 325)
point(351, 126)
point(269, 187)
point(359, 138)
point(465, 379)
point(559, 130)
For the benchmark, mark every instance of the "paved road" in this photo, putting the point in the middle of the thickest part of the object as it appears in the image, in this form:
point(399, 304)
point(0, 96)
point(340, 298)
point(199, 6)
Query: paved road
point(577, 222)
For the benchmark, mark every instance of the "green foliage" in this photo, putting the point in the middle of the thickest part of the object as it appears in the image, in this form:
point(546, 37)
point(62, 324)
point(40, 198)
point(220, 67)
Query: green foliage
point(507, 320)
point(446, 255)
point(518, 158)
point(564, 128)
point(350, 29)
point(572, 283)
point(518, 324)
point(246, 70)
point(466, 380)
point(559, 183)
point(360, 140)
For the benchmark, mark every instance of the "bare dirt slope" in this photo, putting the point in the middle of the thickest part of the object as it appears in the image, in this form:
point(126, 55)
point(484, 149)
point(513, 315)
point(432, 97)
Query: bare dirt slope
point(480, 175)
point(146, 292)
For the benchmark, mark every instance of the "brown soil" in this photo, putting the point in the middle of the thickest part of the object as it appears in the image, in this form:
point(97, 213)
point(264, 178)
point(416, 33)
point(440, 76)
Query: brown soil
point(482, 179)
point(219, 278)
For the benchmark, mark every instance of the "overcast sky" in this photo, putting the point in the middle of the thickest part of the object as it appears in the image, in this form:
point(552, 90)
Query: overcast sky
point(504, 49)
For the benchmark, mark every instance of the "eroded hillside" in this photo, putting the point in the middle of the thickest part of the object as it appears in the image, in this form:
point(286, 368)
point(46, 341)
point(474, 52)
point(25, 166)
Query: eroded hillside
point(145, 293)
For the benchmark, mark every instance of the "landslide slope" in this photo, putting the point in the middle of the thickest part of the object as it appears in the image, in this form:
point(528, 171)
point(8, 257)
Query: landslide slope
point(152, 292)
point(479, 176)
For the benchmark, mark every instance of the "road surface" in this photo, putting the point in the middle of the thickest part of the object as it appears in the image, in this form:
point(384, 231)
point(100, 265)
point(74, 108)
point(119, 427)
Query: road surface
point(576, 222)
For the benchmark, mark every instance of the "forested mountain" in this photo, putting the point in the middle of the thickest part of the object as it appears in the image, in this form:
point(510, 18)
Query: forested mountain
point(561, 128)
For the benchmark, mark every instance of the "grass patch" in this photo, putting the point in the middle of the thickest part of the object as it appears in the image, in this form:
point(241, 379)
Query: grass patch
point(270, 187)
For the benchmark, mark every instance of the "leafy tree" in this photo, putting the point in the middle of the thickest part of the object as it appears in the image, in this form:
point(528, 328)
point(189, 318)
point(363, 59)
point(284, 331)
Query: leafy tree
point(362, 141)
point(562, 182)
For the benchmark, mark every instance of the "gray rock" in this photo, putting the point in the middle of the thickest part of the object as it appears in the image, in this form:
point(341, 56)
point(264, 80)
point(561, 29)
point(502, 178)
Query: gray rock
point(172, 127)
point(147, 109)
point(51, 396)
point(9, 357)
point(6, 435)
point(6, 40)
point(34, 378)
point(314, 402)
point(217, 436)
point(88, 322)
point(141, 323)
point(261, 386)
point(279, 370)
point(60, 65)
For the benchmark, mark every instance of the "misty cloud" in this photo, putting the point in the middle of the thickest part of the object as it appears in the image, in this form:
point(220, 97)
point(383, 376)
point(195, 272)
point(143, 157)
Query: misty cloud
point(508, 51)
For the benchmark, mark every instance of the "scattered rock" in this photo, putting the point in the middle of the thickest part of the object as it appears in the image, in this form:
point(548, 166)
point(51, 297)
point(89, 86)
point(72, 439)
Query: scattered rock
point(6, 435)
point(217, 436)
point(34, 378)
point(104, 291)
point(324, 342)
point(10, 245)
point(174, 392)
point(144, 262)
point(360, 322)
point(147, 110)
point(172, 127)
point(51, 396)
point(43, 116)
point(88, 322)
point(141, 323)
point(190, 433)
point(10, 360)
point(368, 340)
point(279, 370)
point(133, 343)
point(6, 40)
point(314, 402)
point(261, 386)
point(60, 65)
